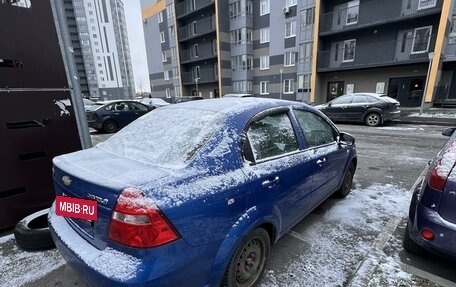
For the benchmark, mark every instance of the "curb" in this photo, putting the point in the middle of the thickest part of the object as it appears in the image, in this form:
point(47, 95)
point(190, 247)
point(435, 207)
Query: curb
point(426, 121)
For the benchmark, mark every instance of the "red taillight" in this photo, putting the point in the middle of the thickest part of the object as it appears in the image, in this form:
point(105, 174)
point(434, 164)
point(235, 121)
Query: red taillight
point(427, 234)
point(138, 222)
point(437, 179)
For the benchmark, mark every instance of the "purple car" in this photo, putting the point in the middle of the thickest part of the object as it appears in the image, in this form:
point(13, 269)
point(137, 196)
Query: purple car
point(432, 216)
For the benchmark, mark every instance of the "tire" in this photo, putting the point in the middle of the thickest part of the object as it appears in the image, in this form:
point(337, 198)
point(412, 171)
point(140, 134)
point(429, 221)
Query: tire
point(373, 119)
point(32, 233)
point(110, 126)
point(410, 245)
point(347, 183)
point(249, 261)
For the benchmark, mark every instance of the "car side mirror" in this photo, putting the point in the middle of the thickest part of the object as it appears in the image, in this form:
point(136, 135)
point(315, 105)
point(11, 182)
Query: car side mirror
point(448, 132)
point(346, 138)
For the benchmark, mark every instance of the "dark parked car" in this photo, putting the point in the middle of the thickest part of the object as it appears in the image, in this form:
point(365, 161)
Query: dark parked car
point(114, 115)
point(432, 216)
point(370, 108)
point(187, 99)
point(195, 194)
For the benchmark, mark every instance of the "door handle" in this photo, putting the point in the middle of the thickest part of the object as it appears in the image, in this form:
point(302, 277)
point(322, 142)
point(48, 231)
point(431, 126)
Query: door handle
point(321, 161)
point(270, 183)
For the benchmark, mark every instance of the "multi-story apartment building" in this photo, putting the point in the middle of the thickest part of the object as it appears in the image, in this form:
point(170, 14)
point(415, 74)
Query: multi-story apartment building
point(304, 50)
point(211, 47)
point(97, 30)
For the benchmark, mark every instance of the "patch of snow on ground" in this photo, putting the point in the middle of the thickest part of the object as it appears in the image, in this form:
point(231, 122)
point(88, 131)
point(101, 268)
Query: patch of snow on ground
point(19, 267)
point(334, 243)
point(433, 115)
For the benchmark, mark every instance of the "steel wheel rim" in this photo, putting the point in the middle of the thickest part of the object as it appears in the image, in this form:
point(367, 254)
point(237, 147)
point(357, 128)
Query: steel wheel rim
point(250, 262)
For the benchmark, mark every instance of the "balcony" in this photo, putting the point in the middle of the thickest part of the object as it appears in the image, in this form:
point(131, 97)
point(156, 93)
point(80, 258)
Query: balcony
point(196, 29)
point(378, 54)
point(205, 76)
point(188, 7)
point(373, 13)
point(199, 53)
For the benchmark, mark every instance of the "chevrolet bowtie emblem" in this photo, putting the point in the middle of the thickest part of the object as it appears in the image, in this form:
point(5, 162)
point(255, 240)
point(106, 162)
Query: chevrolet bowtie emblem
point(66, 180)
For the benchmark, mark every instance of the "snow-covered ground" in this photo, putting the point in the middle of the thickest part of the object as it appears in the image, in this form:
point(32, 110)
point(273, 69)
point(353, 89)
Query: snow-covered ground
point(18, 267)
point(434, 115)
point(343, 240)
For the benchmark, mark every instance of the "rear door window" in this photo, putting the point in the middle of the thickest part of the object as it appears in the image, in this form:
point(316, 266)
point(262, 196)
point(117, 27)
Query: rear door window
point(343, 100)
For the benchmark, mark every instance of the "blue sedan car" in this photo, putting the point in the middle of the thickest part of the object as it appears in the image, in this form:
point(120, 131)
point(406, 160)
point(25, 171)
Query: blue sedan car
point(432, 216)
point(195, 194)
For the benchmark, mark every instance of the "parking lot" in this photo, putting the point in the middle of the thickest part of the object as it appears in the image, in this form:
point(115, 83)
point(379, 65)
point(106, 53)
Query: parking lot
point(351, 242)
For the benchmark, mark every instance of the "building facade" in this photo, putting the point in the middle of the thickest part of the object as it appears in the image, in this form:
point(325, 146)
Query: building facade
point(303, 50)
point(97, 30)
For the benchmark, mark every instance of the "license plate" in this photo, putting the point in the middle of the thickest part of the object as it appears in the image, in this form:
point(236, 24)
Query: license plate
point(76, 208)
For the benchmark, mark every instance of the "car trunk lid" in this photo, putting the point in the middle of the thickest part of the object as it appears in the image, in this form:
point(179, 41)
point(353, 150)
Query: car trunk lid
point(97, 175)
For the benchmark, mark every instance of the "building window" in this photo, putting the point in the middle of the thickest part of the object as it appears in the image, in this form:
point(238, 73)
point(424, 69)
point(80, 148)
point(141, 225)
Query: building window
point(264, 35)
point(289, 59)
point(166, 75)
point(307, 18)
point(171, 31)
point(193, 28)
point(452, 36)
point(349, 50)
point(264, 7)
point(164, 58)
point(160, 17)
point(264, 62)
point(352, 12)
point(305, 53)
point(249, 8)
point(195, 51)
point(242, 86)
point(168, 93)
point(288, 86)
point(162, 37)
point(243, 62)
point(175, 73)
point(290, 29)
point(169, 10)
point(290, 3)
point(241, 36)
point(264, 88)
point(424, 4)
point(196, 72)
point(421, 40)
point(336, 54)
point(235, 9)
point(304, 83)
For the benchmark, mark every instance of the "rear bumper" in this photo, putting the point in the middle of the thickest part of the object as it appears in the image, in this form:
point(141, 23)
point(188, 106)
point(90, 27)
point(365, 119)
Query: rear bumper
point(393, 115)
point(444, 243)
point(176, 265)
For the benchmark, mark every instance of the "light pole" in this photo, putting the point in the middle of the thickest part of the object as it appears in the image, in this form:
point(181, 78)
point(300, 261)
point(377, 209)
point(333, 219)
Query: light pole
point(423, 98)
point(196, 82)
point(281, 83)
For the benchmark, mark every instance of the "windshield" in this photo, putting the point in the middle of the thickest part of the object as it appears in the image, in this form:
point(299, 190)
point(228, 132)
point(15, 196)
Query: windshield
point(165, 137)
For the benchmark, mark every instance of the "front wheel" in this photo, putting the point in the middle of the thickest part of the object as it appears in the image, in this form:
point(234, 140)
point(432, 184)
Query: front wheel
point(373, 119)
point(248, 262)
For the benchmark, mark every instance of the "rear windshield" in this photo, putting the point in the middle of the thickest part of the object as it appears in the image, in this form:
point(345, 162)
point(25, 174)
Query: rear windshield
point(165, 137)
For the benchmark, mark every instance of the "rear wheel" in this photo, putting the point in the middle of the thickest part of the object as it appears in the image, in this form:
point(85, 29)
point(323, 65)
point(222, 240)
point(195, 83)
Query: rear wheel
point(347, 183)
point(373, 119)
point(110, 126)
point(248, 262)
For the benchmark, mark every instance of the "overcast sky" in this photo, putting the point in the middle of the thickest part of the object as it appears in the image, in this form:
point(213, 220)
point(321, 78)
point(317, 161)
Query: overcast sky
point(137, 47)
